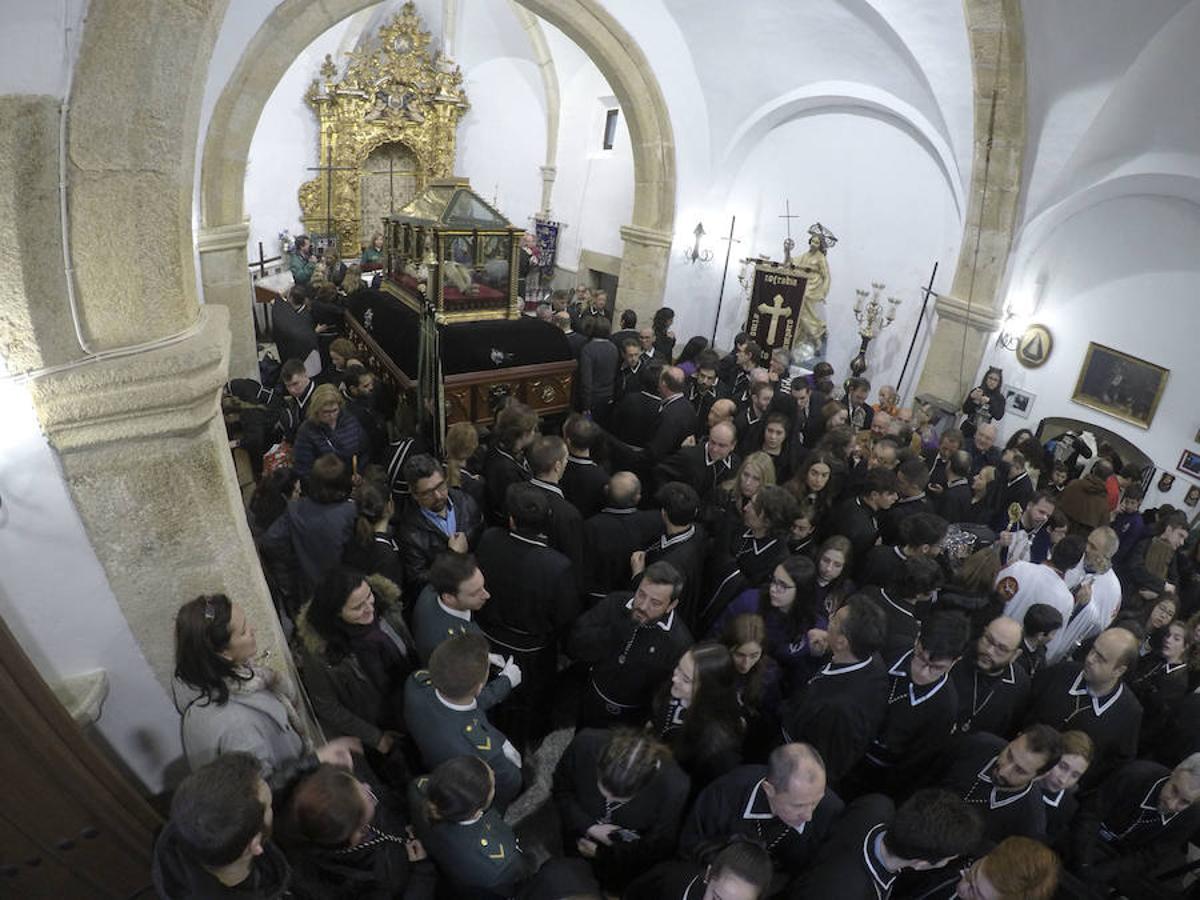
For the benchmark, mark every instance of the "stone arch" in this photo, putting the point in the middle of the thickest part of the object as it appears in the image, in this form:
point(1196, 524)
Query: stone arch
point(294, 24)
point(855, 99)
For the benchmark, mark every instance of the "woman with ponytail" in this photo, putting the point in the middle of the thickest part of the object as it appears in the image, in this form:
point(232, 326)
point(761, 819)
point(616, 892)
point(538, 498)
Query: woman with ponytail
point(371, 548)
point(475, 849)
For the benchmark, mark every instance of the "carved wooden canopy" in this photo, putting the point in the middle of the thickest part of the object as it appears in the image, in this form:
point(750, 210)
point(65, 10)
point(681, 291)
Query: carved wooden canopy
point(392, 93)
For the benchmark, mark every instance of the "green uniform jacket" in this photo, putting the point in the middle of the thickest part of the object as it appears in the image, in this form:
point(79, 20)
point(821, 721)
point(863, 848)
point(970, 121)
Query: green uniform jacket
point(482, 855)
point(442, 733)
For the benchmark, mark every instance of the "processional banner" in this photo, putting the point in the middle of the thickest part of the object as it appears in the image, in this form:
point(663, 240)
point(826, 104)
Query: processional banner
point(547, 241)
point(774, 307)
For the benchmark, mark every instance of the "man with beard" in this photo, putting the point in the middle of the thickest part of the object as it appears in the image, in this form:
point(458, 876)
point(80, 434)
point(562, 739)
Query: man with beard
point(998, 779)
point(1029, 539)
point(1097, 592)
point(631, 641)
point(217, 842)
point(992, 689)
point(703, 388)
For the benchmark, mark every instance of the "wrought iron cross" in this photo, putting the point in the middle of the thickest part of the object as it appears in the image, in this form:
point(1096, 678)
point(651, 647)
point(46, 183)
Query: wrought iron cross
point(328, 169)
point(788, 217)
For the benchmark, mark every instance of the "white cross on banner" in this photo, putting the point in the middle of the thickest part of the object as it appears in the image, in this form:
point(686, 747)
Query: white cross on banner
point(774, 307)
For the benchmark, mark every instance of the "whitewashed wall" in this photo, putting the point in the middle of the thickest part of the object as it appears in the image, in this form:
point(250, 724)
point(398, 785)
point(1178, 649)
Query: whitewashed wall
point(593, 192)
point(54, 596)
point(284, 146)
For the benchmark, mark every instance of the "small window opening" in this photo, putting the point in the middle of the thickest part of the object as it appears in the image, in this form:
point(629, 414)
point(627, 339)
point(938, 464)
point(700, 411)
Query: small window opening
point(610, 128)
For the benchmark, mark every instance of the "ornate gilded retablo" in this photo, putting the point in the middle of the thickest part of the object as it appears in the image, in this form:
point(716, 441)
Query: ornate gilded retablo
point(387, 127)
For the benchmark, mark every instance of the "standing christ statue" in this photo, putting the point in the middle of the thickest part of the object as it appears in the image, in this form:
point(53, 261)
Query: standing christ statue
point(814, 265)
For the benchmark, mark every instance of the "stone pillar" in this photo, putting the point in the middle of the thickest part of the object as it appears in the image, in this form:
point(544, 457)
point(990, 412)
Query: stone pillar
point(643, 277)
point(226, 281)
point(138, 427)
point(974, 307)
point(958, 345)
point(144, 453)
point(548, 175)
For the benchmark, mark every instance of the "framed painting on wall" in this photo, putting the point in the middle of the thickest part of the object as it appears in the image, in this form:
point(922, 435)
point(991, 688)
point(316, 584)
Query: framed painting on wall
point(1189, 461)
point(1018, 401)
point(1121, 385)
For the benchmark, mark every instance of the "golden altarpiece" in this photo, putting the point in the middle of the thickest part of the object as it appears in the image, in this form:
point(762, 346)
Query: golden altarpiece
point(388, 128)
point(445, 330)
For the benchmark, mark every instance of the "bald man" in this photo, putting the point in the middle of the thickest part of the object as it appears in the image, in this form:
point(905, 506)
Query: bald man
point(1091, 697)
point(992, 688)
point(676, 417)
point(783, 805)
point(1097, 595)
point(706, 465)
point(983, 449)
point(722, 410)
point(612, 534)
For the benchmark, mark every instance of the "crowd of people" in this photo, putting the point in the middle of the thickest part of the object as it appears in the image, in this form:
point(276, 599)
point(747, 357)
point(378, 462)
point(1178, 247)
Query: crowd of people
point(796, 643)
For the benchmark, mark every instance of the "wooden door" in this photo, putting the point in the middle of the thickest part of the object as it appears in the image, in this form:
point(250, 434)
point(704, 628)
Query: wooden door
point(70, 824)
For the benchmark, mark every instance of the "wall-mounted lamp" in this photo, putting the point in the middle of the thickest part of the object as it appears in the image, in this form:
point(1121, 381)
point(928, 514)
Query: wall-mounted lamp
point(1011, 329)
point(696, 254)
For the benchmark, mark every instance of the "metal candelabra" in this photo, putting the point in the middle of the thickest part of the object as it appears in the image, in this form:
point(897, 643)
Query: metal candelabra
point(871, 321)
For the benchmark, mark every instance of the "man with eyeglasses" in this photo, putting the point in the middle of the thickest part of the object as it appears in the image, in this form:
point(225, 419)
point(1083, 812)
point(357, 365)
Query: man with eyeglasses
point(438, 519)
point(992, 690)
point(921, 707)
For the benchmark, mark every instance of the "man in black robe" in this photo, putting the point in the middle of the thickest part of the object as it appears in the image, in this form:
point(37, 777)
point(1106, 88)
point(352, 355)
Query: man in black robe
point(547, 458)
point(533, 601)
point(920, 536)
point(857, 518)
point(784, 805)
point(1091, 697)
point(874, 842)
point(992, 689)
point(584, 480)
point(676, 417)
point(631, 642)
point(751, 421)
point(613, 534)
point(953, 501)
point(841, 708)
point(937, 460)
point(682, 544)
point(704, 388)
point(998, 779)
point(705, 465)
point(631, 364)
point(1144, 812)
point(921, 708)
point(911, 480)
point(905, 601)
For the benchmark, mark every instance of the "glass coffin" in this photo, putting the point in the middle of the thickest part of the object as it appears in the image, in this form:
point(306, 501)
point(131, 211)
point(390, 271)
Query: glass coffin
point(451, 248)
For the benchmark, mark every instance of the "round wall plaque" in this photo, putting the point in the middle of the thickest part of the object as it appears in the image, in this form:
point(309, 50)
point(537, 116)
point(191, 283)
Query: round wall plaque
point(1034, 347)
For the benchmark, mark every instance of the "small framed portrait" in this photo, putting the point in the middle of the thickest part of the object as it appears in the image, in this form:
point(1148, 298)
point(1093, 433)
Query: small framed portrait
point(1193, 495)
point(1166, 482)
point(1018, 401)
point(1121, 385)
point(1189, 462)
